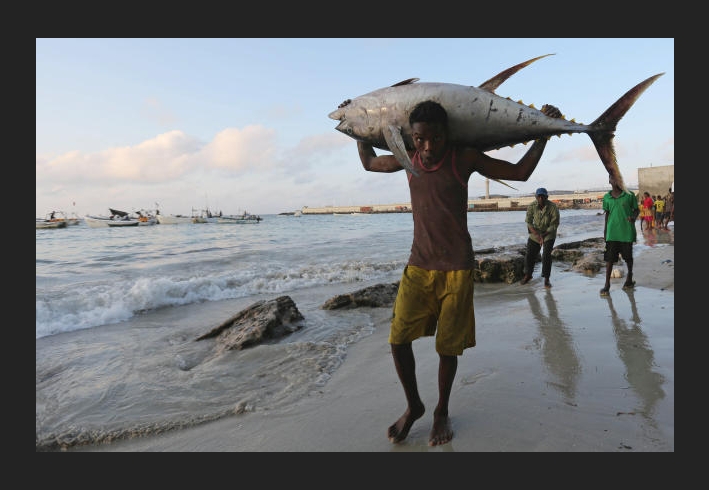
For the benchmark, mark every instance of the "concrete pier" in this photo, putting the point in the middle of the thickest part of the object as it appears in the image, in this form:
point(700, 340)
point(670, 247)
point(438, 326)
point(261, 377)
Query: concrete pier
point(587, 199)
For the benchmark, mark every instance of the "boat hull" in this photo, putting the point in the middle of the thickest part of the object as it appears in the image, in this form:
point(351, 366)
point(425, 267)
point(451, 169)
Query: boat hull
point(174, 220)
point(44, 225)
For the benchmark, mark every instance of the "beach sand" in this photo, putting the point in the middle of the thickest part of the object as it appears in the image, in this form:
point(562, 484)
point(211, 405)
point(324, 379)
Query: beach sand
point(553, 370)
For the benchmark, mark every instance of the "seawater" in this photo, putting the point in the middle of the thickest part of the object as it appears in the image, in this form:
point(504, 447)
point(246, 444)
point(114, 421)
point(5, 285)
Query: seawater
point(89, 277)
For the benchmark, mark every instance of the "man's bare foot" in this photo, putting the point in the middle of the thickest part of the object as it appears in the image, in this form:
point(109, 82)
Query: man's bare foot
point(441, 432)
point(398, 431)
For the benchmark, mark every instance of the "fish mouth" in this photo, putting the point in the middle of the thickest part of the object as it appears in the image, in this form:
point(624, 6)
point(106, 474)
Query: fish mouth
point(336, 115)
point(343, 127)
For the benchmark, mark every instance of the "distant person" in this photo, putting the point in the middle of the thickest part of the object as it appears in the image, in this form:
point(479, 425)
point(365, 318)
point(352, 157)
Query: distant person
point(542, 222)
point(51, 216)
point(648, 217)
point(659, 212)
point(621, 211)
point(669, 207)
point(435, 295)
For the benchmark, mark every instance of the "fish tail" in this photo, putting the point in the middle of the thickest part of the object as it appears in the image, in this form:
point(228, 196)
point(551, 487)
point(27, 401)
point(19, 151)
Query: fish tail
point(603, 127)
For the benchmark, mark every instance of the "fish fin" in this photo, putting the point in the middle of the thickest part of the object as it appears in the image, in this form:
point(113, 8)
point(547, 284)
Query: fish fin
point(406, 82)
point(395, 142)
point(491, 84)
point(504, 183)
point(604, 126)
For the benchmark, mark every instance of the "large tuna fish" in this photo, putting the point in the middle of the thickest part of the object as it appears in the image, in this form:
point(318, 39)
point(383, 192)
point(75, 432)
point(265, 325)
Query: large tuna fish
point(477, 117)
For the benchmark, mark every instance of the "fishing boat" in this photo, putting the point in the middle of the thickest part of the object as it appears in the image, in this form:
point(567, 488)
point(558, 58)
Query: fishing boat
point(146, 218)
point(121, 222)
point(116, 219)
point(205, 216)
point(239, 219)
point(56, 217)
point(42, 223)
point(174, 219)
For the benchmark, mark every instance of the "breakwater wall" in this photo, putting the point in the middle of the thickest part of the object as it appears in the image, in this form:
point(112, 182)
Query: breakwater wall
point(590, 200)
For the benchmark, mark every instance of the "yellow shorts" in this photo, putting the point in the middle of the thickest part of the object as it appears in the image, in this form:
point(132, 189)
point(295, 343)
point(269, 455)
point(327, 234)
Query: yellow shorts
point(435, 302)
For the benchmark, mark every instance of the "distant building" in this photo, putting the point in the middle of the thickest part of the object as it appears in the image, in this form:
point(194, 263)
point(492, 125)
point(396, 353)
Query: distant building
point(656, 180)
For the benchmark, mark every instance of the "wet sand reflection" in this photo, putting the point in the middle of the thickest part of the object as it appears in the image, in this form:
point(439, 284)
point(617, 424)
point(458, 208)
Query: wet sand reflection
point(558, 350)
point(636, 353)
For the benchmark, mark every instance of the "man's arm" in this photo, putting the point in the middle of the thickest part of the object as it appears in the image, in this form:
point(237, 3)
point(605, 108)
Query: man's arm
point(556, 218)
point(635, 210)
point(373, 163)
point(529, 219)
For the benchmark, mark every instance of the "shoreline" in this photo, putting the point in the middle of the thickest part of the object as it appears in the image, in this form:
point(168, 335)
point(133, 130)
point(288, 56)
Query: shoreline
point(567, 377)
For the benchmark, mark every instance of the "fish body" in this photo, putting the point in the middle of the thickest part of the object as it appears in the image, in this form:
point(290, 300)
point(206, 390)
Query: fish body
point(477, 117)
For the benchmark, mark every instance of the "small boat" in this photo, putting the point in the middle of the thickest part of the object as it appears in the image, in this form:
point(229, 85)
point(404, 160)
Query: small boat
point(240, 219)
point(146, 218)
point(42, 223)
point(118, 223)
point(115, 220)
point(96, 221)
point(56, 217)
point(174, 219)
point(205, 216)
point(72, 218)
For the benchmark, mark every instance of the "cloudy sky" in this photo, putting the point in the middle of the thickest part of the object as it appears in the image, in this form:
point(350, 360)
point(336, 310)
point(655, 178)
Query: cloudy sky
point(242, 124)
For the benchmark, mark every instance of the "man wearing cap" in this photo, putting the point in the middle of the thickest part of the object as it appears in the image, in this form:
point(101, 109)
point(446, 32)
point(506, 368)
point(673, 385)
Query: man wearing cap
point(542, 222)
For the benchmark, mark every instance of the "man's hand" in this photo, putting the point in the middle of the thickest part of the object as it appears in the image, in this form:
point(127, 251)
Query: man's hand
point(551, 111)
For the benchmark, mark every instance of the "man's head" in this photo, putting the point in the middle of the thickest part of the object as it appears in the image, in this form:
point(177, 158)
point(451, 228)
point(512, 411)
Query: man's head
point(429, 130)
point(614, 182)
point(541, 195)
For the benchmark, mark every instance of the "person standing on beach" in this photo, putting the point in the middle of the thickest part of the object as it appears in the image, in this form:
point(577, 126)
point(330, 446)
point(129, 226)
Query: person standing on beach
point(648, 212)
point(435, 293)
point(542, 222)
point(659, 211)
point(621, 211)
point(669, 208)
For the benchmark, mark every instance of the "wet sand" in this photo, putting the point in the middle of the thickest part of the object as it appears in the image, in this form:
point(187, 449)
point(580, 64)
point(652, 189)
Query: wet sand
point(554, 370)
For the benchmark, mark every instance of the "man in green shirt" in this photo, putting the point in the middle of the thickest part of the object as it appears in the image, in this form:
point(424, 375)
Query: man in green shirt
point(542, 222)
point(621, 209)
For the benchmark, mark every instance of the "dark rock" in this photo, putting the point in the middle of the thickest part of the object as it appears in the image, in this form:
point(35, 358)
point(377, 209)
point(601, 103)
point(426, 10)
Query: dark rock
point(502, 264)
point(506, 265)
point(374, 296)
point(260, 322)
point(584, 255)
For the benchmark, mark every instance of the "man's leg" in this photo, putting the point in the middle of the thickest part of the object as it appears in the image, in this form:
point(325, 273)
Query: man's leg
point(607, 285)
point(546, 262)
point(405, 364)
point(629, 283)
point(530, 259)
point(441, 432)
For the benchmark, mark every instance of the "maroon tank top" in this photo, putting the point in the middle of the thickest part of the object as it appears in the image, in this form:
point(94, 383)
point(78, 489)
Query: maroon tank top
point(439, 203)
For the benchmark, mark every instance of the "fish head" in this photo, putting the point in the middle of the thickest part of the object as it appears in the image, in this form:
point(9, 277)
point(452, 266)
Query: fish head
point(361, 119)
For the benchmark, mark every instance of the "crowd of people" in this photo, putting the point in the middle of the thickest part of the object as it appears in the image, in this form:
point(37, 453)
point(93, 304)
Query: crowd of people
point(657, 211)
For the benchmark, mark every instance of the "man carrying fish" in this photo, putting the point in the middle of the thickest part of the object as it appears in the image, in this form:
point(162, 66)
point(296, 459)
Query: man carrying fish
point(435, 294)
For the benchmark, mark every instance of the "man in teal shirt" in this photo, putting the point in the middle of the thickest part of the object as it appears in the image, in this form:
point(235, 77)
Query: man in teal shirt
point(621, 208)
point(542, 222)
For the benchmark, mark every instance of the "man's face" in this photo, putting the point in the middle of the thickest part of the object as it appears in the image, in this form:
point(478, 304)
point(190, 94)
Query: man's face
point(541, 199)
point(430, 141)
